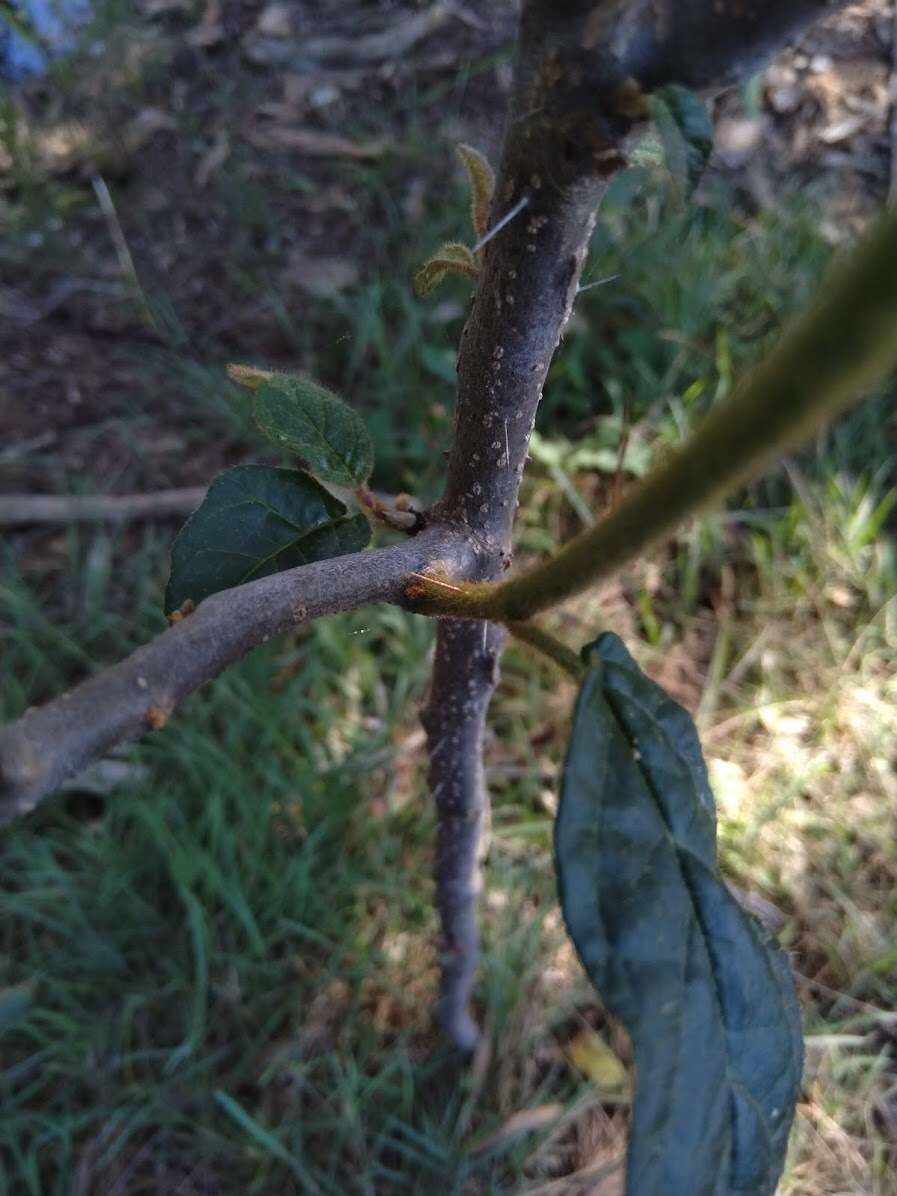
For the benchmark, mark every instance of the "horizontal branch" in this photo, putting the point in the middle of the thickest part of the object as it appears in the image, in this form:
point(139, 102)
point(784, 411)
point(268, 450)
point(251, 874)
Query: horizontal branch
point(51, 743)
point(708, 43)
point(693, 43)
point(19, 510)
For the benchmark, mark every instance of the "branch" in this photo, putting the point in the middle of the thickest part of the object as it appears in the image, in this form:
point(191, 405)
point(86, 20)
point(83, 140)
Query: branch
point(828, 359)
point(18, 510)
point(694, 43)
point(580, 73)
point(550, 647)
point(51, 743)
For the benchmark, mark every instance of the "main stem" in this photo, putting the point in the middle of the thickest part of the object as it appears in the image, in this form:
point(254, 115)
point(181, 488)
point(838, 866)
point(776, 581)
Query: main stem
point(582, 71)
point(525, 292)
point(455, 720)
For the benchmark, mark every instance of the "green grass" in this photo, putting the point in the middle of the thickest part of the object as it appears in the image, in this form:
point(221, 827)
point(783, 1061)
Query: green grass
point(218, 963)
point(178, 935)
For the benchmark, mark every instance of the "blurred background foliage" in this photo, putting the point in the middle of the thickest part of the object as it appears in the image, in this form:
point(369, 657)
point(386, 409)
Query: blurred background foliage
point(218, 949)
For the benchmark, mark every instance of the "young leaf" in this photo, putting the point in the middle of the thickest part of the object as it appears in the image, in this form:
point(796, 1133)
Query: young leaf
point(257, 520)
point(686, 132)
point(704, 992)
point(452, 258)
point(250, 376)
point(313, 422)
point(482, 187)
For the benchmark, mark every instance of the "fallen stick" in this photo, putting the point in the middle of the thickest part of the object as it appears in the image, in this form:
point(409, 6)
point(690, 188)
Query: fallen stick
point(18, 510)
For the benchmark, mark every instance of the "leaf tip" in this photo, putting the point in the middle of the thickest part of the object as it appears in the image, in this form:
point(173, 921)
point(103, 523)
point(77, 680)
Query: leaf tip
point(250, 376)
point(482, 187)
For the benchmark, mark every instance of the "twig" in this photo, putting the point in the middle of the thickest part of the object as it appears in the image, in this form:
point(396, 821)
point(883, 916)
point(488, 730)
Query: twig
point(53, 742)
point(543, 641)
point(892, 188)
point(18, 510)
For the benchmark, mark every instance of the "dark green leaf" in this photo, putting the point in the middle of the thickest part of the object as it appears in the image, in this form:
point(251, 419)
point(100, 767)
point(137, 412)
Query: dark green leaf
point(704, 992)
point(686, 133)
point(256, 520)
point(299, 415)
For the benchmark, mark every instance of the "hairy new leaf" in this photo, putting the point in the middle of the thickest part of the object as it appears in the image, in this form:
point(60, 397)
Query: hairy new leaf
point(331, 438)
point(686, 133)
point(482, 187)
point(704, 992)
point(257, 520)
point(452, 258)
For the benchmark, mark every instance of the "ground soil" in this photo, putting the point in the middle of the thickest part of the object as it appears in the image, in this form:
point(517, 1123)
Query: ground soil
point(191, 102)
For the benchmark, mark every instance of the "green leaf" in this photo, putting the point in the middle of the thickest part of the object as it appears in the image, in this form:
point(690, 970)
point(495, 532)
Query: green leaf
point(300, 415)
point(452, 258)
point(686, 133)
point(704, 992)
point(256, 520)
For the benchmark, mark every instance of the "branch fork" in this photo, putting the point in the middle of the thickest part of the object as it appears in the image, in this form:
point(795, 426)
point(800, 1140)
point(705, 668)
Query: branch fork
point(583, 72)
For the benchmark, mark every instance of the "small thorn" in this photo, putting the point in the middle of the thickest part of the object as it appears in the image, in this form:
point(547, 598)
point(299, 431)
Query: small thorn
point(506, 219)
point(598, 283)
point(434, 581)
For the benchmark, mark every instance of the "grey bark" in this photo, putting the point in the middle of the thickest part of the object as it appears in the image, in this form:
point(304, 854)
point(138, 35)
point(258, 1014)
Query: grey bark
point(580, 75)
point(51, 743)
point(455, 720)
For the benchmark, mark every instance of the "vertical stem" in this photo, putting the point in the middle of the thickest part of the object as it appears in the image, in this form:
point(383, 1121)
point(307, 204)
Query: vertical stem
point(465, 673)
point(528, 279)
point(582, 71)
